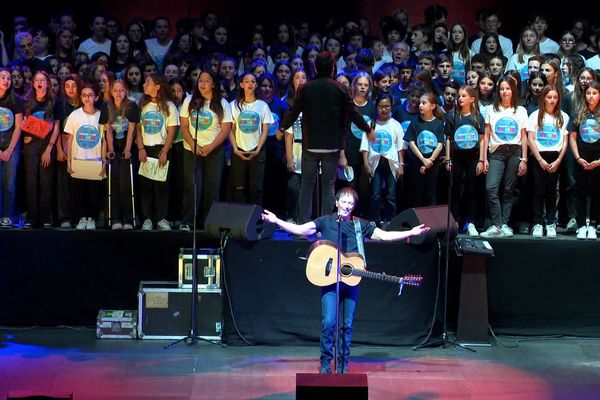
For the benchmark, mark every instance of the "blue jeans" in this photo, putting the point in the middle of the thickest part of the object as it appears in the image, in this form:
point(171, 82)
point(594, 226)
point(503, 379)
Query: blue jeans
point(383, 178)
point(8, 181)
point(310, 168)
point(348, 298)
point(504, 165)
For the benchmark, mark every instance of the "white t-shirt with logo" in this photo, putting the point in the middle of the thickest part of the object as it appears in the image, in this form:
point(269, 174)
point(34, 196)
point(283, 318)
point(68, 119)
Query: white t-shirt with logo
point(248, 123)
point(389, 141)
point(87, 138)
point(548, 137)
point(506, 125)
point(154, 123)
point(208, 122)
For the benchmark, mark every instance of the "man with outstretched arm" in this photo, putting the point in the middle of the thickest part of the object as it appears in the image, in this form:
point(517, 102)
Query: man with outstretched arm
point(346, 200)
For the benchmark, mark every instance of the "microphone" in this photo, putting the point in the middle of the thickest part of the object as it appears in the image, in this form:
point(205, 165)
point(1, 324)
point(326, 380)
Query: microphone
point(339, 217)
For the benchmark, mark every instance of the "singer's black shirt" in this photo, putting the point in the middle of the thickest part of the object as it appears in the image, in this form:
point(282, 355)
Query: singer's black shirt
point(328, 226)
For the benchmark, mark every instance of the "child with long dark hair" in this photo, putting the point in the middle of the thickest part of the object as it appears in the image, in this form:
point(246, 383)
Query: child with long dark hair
point(505, 157)
point(584, 139)
point(251, 117)
point(464, 156)
point(205, 124)
point(39, 138)
point(155, 135)
point(547, 133)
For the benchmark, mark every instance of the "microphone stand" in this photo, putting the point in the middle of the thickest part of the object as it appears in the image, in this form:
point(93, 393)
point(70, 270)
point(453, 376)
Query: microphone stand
point(337, 296)
point(193, 337)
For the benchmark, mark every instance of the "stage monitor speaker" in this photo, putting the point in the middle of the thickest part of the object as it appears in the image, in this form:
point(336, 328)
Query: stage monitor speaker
point(434, 217)
point(332, 386)
point(242, 220)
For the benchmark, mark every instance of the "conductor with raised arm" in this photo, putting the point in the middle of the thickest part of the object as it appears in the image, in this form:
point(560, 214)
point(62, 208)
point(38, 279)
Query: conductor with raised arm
point(326, 107)
point(352, 230)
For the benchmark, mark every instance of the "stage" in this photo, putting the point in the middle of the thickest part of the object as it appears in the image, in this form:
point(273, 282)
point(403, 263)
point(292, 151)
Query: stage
point(535, 287)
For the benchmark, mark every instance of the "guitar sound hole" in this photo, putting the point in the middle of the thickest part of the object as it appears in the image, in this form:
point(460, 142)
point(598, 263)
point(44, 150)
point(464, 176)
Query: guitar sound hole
point(346, 270)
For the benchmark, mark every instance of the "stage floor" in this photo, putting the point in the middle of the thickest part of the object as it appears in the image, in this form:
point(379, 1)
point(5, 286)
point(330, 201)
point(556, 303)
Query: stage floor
point(57, 361)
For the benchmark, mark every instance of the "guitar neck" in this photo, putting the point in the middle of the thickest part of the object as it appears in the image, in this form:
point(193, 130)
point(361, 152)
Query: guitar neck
point(375, 275)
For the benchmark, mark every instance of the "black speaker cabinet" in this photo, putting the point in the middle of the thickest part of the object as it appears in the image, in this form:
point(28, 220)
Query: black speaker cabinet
point(242, 220)
point(332, 386)
point(435, 217)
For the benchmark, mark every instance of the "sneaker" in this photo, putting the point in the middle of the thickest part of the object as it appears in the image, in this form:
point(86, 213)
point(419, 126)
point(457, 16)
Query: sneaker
point(471, 230)
point(537, 231)
point(147, 226)
point(91, 224)
point(117, 226)
point(582, 233)
point(184, 227)
point(507, 230)
point(127, 227)
point(163, 225)
point(82, 224)
point(5, 223)
point(492, 232)
point(572, 225)
point(591, 233)
point(65, 225)
point(551, 231)
point(47, 225)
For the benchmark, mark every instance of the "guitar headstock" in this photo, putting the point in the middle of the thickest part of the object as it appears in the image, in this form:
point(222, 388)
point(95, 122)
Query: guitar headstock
point(412, 280)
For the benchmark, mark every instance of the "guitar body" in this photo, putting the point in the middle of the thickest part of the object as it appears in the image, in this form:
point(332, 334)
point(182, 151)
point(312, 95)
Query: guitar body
point(321, 265)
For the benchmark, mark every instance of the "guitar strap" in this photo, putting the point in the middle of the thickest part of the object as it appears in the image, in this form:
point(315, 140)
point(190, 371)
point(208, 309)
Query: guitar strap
point(359, 239)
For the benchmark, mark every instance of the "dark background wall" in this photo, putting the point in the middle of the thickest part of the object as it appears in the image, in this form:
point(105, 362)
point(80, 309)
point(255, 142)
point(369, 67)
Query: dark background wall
point(239, 14)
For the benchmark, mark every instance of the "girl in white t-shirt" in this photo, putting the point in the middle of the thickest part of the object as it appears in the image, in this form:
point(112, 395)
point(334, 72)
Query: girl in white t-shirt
point(383, 160)
point(251, 118)
point(205, 124)
point(86, 144)
point(506, 154)
point(156, 131)
point(547, 132)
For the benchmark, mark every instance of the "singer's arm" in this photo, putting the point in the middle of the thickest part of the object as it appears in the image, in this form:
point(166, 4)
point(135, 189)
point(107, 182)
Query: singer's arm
point(306, 229)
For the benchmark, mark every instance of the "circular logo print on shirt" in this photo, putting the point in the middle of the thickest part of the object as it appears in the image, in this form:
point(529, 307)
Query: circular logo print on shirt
point(274, 127)
point(357, 132)
point(405, 125)
point(466, 137)
point(548, 135)
point(382, 143)
point(458, 72)
point(153, 122)
point(524, 72)
point(249, 122)
point(203, 119)
point(120, 127)
point(506, 129)
point(87, 137)
point(7, 119)
point(427, 142)
point(590, 131)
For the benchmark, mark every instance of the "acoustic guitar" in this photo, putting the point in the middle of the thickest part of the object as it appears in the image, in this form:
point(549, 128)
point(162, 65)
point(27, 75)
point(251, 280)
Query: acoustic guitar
point(321, 268)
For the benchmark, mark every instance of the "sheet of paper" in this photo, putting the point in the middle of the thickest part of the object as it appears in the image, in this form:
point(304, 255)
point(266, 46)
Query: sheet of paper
point(87, 169)
point(151, 170)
